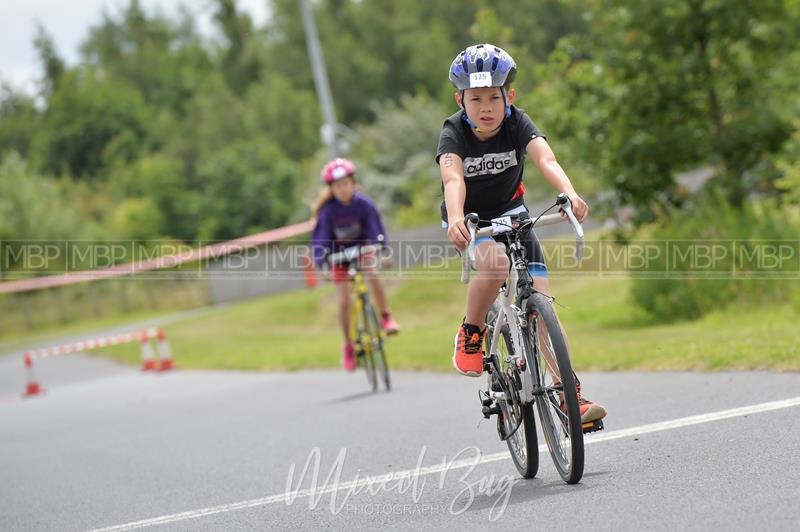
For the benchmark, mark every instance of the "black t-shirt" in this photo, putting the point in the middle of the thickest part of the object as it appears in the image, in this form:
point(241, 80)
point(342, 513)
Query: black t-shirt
point(492, 168)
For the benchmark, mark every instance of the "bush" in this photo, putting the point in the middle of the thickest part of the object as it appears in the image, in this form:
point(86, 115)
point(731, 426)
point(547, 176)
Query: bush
point(715, 255)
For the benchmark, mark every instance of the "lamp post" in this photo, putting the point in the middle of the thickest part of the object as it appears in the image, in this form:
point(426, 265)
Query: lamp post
point(329, 129)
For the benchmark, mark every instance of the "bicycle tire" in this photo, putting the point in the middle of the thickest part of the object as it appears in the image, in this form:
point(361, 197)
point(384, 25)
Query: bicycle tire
point(562, 431)
point(379, 349)
point(365, 341)
point(523, 439)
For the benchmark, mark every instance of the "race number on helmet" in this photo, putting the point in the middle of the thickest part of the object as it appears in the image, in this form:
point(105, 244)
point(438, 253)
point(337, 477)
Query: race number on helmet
point(482, 65)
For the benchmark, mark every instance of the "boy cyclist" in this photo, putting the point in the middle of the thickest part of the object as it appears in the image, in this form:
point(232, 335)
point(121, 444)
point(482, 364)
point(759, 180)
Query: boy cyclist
point(481, 152)
point(346, 217)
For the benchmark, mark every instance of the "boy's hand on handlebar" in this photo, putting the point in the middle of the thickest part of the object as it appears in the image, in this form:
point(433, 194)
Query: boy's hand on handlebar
point(579, 207)
point(457, 233)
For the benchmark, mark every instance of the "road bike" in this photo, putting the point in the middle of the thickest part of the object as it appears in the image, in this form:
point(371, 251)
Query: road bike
point(526, 356)
point(365, 328)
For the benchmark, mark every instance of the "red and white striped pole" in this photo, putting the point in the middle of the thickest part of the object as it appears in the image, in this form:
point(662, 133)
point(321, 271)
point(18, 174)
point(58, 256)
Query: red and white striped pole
point(165, 362)
point(32, 387)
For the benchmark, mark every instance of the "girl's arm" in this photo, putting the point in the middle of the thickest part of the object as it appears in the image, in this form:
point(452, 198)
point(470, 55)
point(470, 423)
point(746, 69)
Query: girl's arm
point(321, 238)
point(374, 224)
point(540, 153)
point(451, 166)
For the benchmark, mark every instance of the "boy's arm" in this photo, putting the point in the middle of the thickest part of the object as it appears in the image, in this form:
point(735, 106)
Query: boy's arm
point(451, 167)
point(540, 153)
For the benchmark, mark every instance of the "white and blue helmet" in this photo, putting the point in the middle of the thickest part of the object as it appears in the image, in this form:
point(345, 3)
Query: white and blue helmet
point(482, 65)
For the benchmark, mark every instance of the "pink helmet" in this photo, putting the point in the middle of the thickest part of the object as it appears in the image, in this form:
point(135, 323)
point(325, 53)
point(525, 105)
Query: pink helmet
point(337, 169)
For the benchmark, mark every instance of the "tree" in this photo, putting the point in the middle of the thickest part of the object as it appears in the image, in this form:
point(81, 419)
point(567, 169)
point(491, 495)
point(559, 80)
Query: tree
point(289, 115)
point(250, 187)
point(89, 120)
point(18, 121)
point(678, 85)
point(240, 63)
point(32, 206)
point(395, 159)
point(162, 59)
point(53, 64)
point(789, 165)
point(155, 199)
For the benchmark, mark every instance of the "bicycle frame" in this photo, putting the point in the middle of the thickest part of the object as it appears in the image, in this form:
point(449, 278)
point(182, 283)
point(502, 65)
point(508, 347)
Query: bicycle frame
point(509, 313)
point(359, 292)
point(357, 285)
point(512, 303)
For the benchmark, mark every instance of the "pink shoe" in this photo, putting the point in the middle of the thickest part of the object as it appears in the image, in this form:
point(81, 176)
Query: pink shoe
point(348, 357)
point(388, 324)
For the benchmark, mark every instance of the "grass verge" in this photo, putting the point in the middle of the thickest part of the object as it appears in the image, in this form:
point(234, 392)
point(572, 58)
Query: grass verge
point(299, 330)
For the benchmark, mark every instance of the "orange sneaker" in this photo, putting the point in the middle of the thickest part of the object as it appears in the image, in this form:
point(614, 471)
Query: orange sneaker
point(589, 410)
point(468, 350)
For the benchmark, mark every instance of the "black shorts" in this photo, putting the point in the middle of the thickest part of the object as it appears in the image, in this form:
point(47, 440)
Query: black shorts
point(533, 250)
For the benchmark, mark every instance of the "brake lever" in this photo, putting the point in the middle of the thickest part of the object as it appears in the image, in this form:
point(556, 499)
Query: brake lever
point(566, 207)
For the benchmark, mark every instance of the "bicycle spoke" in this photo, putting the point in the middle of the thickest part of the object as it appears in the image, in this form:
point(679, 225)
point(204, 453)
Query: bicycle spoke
point(515, 422)
point(558, 408)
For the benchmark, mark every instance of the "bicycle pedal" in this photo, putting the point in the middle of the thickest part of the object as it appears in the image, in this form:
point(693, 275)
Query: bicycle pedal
point(593, 426)
point(484, 398)
point(490, 410)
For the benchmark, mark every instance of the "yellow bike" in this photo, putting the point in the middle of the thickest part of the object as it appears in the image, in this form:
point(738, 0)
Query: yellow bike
point(365, 328)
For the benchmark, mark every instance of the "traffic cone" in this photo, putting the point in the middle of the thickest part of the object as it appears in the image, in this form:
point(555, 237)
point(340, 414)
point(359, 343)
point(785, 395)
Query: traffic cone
point(33, 387)
point(308, 271)
point(148, 360)
point(165, 362)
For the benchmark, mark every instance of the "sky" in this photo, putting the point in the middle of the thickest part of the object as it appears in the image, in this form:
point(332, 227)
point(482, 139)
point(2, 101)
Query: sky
point(68, 23)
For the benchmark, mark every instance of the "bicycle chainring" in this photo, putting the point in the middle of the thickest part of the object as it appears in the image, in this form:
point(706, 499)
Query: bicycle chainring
point(510, 417)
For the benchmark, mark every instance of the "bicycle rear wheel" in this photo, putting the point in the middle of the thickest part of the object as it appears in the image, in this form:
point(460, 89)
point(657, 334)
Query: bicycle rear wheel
point(516, 423)
point(378, 349)
point(558, 405)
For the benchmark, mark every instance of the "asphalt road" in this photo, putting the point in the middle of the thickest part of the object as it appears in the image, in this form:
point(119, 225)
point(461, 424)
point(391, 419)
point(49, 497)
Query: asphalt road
point(107, 447)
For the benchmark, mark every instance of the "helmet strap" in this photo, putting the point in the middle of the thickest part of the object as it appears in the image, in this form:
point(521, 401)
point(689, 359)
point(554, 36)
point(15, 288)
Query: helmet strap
point(505, 101)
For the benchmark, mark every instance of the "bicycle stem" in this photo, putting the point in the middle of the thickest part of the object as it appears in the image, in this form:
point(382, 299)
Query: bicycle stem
point(472, 220)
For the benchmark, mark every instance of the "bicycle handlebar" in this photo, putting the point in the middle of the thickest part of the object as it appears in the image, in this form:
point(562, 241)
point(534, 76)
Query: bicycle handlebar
point(472, 220)
point(353, 252)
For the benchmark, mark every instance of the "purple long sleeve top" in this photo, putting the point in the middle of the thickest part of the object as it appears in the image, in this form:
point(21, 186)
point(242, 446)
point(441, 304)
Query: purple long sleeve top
point(340, 226)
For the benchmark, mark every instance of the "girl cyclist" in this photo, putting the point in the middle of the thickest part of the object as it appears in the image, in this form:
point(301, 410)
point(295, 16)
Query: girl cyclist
point(346, 217)
point(481, 152)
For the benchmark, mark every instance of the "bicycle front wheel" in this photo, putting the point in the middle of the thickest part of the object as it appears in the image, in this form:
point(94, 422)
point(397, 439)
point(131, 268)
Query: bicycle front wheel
point(516, 423)
point(373, 341)
point(378, 349)
point(366, 345)
point(558, 404)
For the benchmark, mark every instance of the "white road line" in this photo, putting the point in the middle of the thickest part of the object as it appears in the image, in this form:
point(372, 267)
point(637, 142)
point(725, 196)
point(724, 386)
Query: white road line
point(459, 464)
